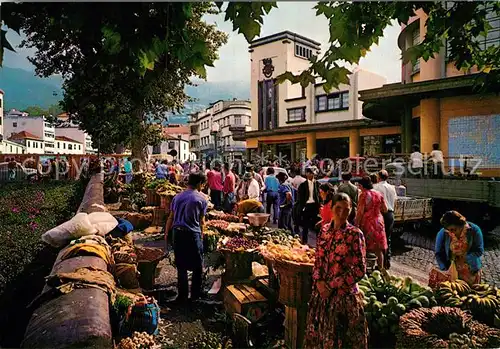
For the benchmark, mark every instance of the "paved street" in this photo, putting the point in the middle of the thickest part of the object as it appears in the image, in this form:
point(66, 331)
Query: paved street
point(418, 257)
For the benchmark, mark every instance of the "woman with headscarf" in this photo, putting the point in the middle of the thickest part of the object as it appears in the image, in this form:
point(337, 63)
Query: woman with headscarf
point(336, 317)
point(459, 248)
point(369, 219)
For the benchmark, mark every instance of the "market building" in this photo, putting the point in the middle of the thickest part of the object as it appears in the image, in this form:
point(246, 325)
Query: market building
point(297, 122)
point(215, 131)
point(436, 103)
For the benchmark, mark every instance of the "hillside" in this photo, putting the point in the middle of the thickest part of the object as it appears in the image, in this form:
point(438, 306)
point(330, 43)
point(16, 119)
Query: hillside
point(22, 89)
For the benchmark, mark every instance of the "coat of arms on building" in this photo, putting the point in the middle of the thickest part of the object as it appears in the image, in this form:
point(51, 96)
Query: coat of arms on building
point(268, 69)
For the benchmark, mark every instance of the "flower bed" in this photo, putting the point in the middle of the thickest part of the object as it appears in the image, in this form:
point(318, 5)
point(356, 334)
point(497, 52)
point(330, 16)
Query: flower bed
point(27, 211)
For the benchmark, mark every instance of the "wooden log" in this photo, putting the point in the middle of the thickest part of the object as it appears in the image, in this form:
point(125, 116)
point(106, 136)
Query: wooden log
point(295, 327)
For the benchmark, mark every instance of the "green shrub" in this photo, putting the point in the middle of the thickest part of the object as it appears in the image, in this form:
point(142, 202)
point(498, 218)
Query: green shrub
point(27, 210)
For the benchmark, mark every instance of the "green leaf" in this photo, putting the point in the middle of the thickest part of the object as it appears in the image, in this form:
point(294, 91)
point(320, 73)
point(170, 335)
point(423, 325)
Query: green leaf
point(112, 40)
point(201, 71)
point(250, 29)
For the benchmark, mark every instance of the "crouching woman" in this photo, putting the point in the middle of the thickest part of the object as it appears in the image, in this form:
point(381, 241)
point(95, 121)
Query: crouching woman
point(336, 318)
point(459, 248)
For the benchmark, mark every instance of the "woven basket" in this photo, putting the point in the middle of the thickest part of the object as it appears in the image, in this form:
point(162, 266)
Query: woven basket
point(165, 201)
point(295, 281)
point(238, 265)
point(273, 277)
point(152, 199)
point(127, 275)
point(159, 217)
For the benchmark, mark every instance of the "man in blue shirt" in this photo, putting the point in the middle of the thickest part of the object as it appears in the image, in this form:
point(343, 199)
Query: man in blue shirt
point(127, 167)
point(271, 190)
point(187, 218)
point(285, 197)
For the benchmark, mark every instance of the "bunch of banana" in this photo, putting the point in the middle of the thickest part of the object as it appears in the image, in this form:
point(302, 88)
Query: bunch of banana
point(459, 286)
point(485, 289)
point(482, 304)
point(459, 341)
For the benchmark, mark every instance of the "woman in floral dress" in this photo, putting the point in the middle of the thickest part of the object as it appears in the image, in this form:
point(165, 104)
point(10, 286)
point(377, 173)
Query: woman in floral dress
point(336, 317)
point(459, 248)
point(369, 219)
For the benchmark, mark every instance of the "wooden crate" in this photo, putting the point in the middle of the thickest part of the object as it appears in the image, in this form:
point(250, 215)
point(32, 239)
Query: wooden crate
point(295, 327)
point(238, 266)
point(246, 301)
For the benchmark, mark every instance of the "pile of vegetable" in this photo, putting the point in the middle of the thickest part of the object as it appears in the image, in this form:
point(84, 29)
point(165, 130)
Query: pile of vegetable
point(266, 234)
point(239, 244)
point(224, 227)
point(386, 300)
point(217, 224)
point(153, 184)
point(482, 300)
point(210, 340)
point(139, 340)
point(219, 215)
point(444, 327)
point(210, 240)
point(168, 189)
point(148, 254)
point(293, 251)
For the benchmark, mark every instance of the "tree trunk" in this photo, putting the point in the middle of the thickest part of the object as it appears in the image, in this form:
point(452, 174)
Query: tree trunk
point(139, 146)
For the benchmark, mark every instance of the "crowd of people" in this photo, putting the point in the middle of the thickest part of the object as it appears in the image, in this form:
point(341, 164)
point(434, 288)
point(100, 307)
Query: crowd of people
point(345, 222)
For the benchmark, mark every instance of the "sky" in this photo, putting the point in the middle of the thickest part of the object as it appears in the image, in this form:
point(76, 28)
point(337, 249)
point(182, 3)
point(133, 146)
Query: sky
point(298, 17)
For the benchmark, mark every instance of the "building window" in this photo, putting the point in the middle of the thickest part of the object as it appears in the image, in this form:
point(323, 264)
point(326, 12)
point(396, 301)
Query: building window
point(321, 104)
point(14, 124)
point(415, 40)
point(297, 114)
point(171, 145)
point(334, 101)
point(49, 135)
point(70, 146)
point(345, 100)
point(64, 145)
point(237, 119)
point(303, 52)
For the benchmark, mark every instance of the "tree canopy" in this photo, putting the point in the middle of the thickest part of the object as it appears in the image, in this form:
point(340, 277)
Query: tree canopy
point(126, 61)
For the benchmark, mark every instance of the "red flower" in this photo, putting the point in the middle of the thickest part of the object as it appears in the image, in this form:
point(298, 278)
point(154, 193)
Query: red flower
point(341, 249)
point(350, 280)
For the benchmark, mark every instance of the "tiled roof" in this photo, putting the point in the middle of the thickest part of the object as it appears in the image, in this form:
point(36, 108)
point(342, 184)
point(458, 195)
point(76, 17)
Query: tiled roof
point(178, 129)
point(66, 139)
point(25, 135)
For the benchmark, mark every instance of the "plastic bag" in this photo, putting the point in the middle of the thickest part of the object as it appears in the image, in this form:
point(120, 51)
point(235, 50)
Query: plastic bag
point(437, 276)
point(75, 228)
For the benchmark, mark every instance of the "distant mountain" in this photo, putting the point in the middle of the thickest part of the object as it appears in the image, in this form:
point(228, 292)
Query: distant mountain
point(23, 89)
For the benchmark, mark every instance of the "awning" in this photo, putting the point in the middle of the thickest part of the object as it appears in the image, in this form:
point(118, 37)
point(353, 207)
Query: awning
point(386, 103)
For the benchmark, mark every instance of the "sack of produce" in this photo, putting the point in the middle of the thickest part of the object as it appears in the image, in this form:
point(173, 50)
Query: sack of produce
point(103, 222)
point(75, 228)
point(127, 275)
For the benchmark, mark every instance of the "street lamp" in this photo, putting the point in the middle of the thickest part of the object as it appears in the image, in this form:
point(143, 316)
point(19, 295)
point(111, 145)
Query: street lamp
point(215, 133)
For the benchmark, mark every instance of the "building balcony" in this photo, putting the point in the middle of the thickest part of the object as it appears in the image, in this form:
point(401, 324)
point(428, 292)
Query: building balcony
point(206, 146)
point(233, 149)
point(237, 128)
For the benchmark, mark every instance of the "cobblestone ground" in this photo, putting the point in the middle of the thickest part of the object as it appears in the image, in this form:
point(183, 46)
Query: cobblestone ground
point(418, 254)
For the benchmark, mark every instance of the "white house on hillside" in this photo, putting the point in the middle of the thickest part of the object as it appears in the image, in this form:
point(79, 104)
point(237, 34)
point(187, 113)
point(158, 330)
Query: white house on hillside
point(16, 122)
point(65, 145)
point(67, 128)
point(33, 144)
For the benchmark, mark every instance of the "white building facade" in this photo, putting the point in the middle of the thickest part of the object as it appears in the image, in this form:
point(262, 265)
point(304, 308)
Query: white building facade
point(66, 145)
point(16, 122)
point(32, 143)
point(212, 130)
point(66, 128)
point(295, 122)
point(180, 145)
